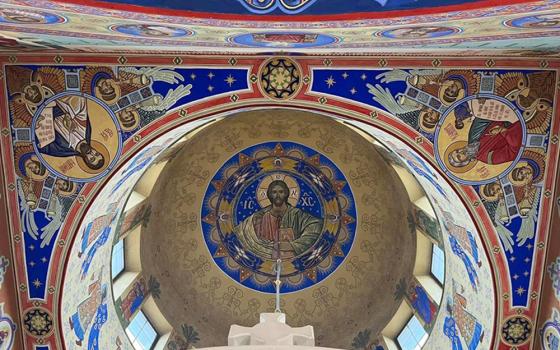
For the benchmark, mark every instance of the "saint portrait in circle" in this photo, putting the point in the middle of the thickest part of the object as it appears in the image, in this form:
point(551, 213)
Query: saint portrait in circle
point(545, 21)
point(76, 136)
point(107, 90)
point(550, 338)
point(284, 39)
point(419, 32)
point(151, 30)
point(479, 139)
point(21, 16)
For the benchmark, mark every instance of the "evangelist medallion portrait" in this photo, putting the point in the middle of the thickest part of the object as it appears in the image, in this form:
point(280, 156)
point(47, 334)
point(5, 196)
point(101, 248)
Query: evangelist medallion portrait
point(76, 136)
point(151, 30)
point(550, 335)
point(479, 139)
point(278, 201)
point(20, 16)
point(419, 32)
point(284, 39)
point(545, 21)
point(7, 330)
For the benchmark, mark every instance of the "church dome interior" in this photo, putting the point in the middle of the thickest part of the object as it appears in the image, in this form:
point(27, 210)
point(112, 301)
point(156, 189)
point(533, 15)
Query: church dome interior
point(360, 175)
point(234, 290)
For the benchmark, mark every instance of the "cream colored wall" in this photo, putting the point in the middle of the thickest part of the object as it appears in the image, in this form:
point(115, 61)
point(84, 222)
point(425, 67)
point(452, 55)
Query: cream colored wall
point(482, 308)
point(112, 332)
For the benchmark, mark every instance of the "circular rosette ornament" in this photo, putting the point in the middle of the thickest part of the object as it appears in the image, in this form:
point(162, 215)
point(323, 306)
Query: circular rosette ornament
point(280, 78)
point(279, 201)
point(38, 322)
point(516, 330)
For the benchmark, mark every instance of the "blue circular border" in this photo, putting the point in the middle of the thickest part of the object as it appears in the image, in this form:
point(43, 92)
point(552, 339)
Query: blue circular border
point(269, 288)
point(514, 22)
point(452, 108)
point(384, 33)
point(116, 28)
point(245, 40)
point(548, 324)
point(47, 165)
point(51, 18)
point(13, 327)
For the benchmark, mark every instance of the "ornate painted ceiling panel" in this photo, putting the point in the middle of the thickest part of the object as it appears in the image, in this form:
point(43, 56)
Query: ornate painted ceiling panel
point(41, 24)
point(478, 132)
point(300, 7)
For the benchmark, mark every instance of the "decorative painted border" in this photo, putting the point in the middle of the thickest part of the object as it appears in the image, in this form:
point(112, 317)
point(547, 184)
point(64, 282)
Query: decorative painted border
point(304, 100)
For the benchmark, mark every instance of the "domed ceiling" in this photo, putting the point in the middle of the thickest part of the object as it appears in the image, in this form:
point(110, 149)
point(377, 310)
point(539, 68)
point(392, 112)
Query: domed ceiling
point(309, 25)
point(300, 7)
point(215, 245)
point(463, 107)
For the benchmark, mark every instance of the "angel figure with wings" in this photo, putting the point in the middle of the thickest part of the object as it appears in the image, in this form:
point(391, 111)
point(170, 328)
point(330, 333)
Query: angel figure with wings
point(525, 178)
point(110, 84)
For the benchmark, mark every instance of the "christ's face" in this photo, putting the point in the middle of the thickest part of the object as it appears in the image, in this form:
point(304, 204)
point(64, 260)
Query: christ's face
point(418, 32)
point(93, 156)
point(152, 31)
point(278, 195)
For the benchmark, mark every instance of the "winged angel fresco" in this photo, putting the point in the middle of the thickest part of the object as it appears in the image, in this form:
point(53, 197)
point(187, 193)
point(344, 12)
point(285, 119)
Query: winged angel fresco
point(531, 93)
point(45, 196)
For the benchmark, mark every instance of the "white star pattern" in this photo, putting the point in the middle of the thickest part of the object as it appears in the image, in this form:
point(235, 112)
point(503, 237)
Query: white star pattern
point(230, 80)
point(330, 81)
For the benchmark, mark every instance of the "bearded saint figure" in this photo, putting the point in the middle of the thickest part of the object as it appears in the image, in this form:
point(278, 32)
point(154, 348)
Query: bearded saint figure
point(279, 230)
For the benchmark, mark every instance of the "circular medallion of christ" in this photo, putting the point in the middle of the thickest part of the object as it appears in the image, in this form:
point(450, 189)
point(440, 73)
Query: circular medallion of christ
point(279, 201)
